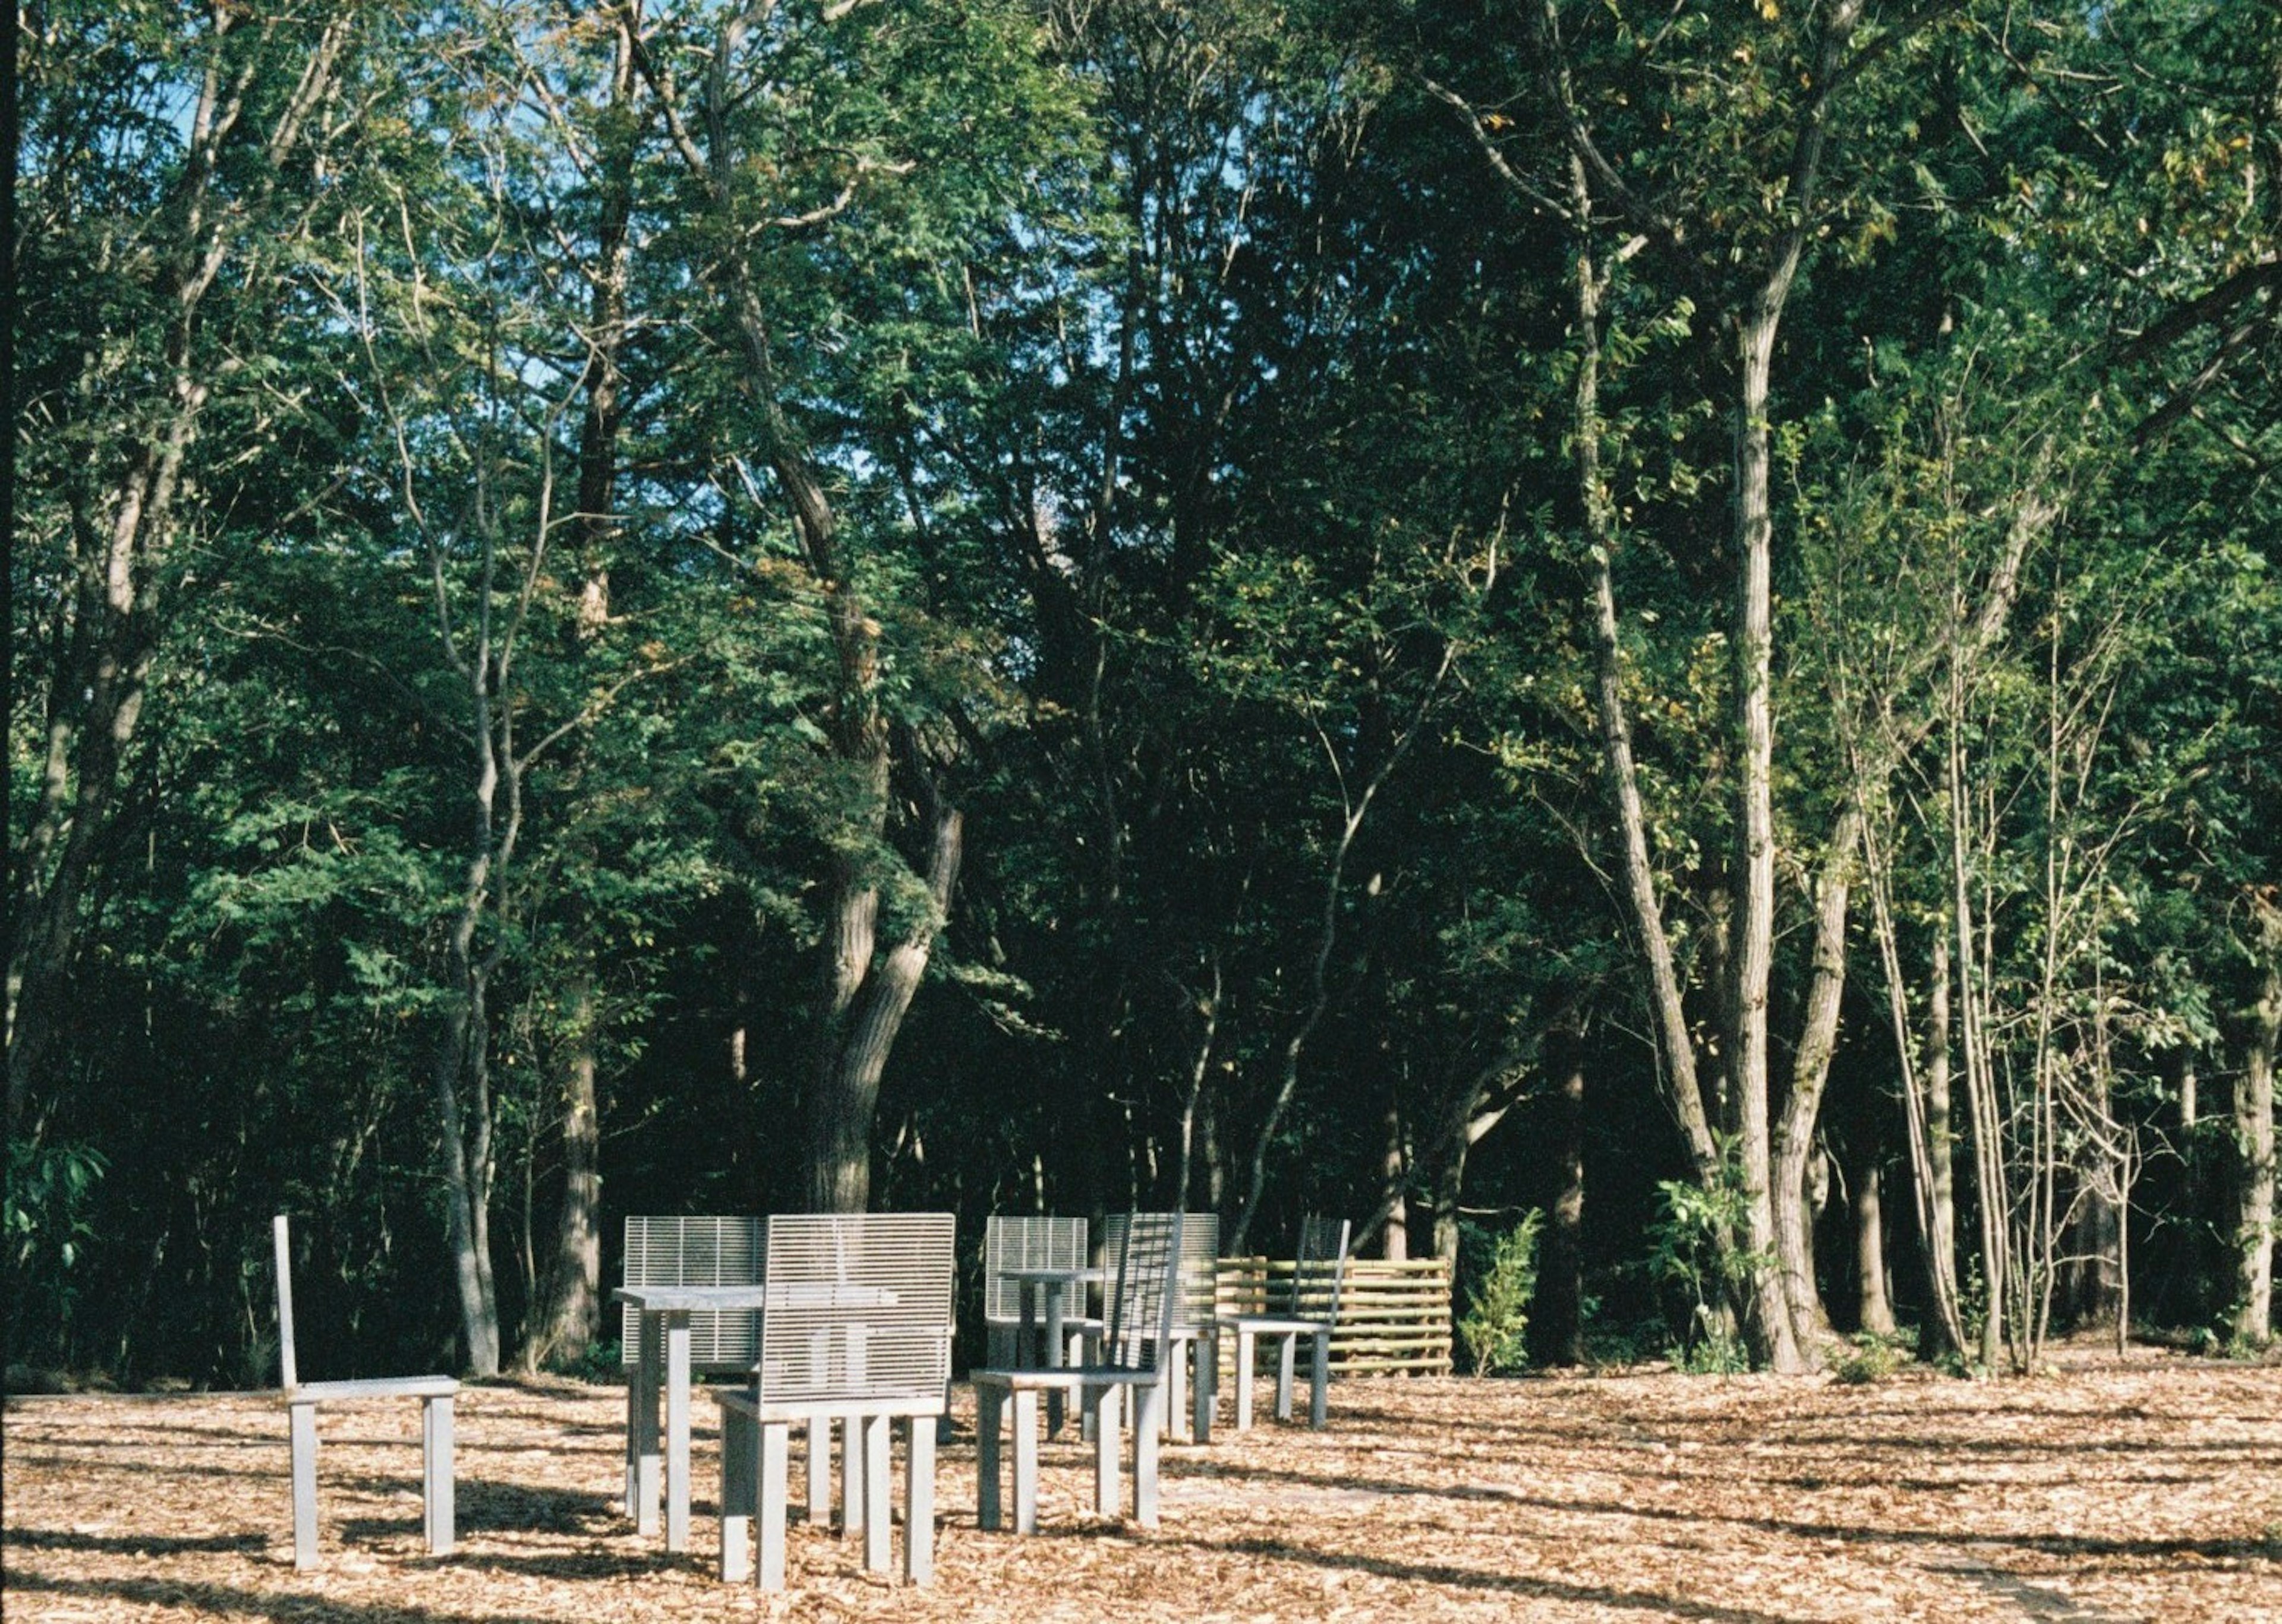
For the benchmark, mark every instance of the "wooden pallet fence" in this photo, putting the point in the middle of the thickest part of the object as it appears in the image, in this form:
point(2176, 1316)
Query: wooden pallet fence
point(1395, 1317)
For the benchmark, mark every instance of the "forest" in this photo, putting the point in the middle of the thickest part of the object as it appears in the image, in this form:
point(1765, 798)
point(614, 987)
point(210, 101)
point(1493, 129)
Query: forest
point(1654, 626)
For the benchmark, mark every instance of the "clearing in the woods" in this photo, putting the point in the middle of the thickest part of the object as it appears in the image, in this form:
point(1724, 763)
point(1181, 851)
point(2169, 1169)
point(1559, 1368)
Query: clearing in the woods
point(2148, 1486)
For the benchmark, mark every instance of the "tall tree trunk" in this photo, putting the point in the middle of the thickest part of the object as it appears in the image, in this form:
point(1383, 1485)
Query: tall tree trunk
point(1395, 1174)
point(572, 1286)
point(2254, 1137)
point(1877, 1312)
point(847, 1084)
point(1557, 1325)
point(1810, 1076)
point(1940, 1238)
point(863, 1003)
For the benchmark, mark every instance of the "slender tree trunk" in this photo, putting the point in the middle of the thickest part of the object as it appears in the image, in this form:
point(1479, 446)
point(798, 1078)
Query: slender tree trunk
point(1394, 1170)
point(1557, 1325)
point(2255, 1177)
point(1940, 1238)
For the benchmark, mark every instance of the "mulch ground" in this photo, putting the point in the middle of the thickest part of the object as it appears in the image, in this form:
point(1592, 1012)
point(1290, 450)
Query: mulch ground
point(2141, 1487)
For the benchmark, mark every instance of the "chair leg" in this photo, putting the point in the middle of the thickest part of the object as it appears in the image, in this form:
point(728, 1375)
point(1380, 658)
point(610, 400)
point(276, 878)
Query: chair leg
point(1208, 1396)
point(851, 1477)
point(1026, 1461)
point(919, 1500)
point(820, 1471)
point(1319, 1393)
point(1245, 1341)
point(1285, 1355)
point(776, 1450)
point(1107, 1416)
point(1176, 1377)
point(436, 1496)
point(1151, 1401)
point(877, 1526)
point(989, 1407)
point(741, 1454)
point(304, 1427)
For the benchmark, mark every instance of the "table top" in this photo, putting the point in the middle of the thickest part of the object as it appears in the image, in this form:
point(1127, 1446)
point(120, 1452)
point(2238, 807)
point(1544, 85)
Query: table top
point(671, 1299)
point(1074, 1276)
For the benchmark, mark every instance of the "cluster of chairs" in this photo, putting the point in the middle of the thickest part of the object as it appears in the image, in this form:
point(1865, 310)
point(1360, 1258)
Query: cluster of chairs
point(856, 1336)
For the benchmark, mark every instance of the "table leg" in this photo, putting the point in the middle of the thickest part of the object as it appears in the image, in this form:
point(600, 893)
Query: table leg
point(1052, 1352)
point(1025, 1334)
point(647, 1372)
point(677, 1430)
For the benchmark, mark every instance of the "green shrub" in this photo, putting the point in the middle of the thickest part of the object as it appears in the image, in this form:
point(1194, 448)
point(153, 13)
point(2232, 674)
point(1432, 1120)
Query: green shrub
point(1870, 1358)
point(1496, 1329)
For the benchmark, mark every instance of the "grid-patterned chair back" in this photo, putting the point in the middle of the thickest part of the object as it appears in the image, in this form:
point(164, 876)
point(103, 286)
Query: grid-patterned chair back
point(1321, 1269)
point(1143, 1253)
point(1025, 1243)
point(1197, 1303)
point(696, 1252)
point(858, 1312)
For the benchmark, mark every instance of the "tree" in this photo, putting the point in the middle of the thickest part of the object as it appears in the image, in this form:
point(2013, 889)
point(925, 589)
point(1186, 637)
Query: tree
point(172, 179)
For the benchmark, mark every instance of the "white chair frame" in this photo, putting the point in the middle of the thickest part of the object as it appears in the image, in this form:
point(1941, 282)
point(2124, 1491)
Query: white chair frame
point(435, 1394)
point(1137, 1352)
point(866, 1345)
point(1318, 1275)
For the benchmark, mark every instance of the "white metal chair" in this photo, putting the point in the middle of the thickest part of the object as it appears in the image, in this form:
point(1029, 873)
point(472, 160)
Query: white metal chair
point(858, 1330)
point(435, 1394)
point(1194, 1351)
point(1135, 1355)
point(1318, 1275)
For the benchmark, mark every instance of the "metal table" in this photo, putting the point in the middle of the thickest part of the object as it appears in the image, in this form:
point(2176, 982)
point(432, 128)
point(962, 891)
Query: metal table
point(663, 1313)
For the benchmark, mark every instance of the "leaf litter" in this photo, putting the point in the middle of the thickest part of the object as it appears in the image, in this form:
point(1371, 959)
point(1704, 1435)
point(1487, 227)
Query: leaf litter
point(2147, 1486)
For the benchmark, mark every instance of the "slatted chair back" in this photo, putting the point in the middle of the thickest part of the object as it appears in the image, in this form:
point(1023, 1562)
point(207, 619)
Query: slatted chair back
point(701, 1251)
point(1197, 1303)
point(1143, 1253)
point(859, 1312)
point(1320, 1271)
point(1018, 1242)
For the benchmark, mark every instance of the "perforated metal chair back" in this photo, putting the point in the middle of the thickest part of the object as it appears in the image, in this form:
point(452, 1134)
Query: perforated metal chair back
point(704, 1251)
point(1320, 1271)
point(1025, 1243)
point(858, 1312)
point(1143, 1253)
point(1197, 1304)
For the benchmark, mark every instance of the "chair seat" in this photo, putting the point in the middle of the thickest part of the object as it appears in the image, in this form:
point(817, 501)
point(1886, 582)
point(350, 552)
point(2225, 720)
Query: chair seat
point(373, 1386)
point(1272, 1324)
point(1064, 1377)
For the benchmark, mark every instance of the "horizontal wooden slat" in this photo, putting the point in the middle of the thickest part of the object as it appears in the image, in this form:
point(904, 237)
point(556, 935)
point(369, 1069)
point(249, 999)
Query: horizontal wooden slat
point(1394, 1317)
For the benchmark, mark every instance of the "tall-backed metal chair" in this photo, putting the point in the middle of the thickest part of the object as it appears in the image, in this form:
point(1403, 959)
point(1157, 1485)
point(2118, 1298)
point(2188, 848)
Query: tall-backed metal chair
point(1318, 1275)
point(435, 1394)
point(1135, 1353)
point(1195, 1348)
point(857, 1329)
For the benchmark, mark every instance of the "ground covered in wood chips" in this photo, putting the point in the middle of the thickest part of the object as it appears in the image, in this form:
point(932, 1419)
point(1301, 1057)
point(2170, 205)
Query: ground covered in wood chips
point(2143, 1488)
